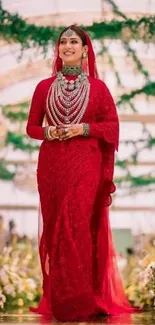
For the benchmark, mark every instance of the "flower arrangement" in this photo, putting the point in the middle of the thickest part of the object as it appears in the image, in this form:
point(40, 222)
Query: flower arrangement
point(20, 276)
point(140, 289)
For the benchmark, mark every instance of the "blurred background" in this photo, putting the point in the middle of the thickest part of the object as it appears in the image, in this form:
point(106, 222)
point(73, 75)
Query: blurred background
point(123, 38)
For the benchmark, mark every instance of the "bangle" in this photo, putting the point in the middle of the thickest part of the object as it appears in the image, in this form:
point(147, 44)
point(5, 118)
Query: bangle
point(86, 129)
point(47, 133)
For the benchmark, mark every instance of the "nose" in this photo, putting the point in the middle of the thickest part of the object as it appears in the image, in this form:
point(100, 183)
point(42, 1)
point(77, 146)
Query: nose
point(68, 45)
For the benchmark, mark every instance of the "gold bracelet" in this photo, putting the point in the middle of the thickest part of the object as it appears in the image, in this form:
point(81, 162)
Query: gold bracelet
point(47, 134)
point(50, 136)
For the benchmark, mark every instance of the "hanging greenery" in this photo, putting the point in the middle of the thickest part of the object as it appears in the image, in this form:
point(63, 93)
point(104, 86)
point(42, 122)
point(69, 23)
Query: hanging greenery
point(115, 9)
point(15, 116)
point(138, 63)
point(5, 174)
point(20, 141)
point(31, 35)
point(148, 89)
point(135, 181)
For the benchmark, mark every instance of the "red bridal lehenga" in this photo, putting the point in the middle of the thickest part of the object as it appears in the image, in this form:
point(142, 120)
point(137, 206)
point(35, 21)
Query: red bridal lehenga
point(75, 182)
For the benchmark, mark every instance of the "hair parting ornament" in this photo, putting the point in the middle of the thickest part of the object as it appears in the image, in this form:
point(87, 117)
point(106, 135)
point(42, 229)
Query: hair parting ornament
point(69, 32)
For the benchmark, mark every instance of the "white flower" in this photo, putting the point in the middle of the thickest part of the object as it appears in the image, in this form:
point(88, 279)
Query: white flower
point(31, 283)
point(9, 290)
point(23, 273)
point(15, 261)
point(29, 257)
point(142, 285)
point(13, 275)
point(146, 275)
point(1, 304)
point(151, 293)
point(2, 297)
point(149, 270)
point(151, 265)
point(13, 268)
point(4, 277)
point(20, 286)
point(6, 267)
point(7, 250)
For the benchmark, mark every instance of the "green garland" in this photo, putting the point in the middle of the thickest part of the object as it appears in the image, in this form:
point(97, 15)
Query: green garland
point(5, 174)
point(128, 29)
point(16, 116)
point(31, 35)
point(151, 143)
point(16, 112)
point(148, 90)
point(136, 181)
point(22, 142)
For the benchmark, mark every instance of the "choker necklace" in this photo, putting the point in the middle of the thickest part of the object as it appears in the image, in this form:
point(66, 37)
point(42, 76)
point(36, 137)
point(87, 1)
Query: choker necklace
point(71, 70)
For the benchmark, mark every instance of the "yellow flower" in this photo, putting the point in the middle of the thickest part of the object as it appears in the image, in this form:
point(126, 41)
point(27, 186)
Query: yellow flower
point(132, 296)
point(148, 259)
point(20, 311)
point(130, 289)
point(20, 302)
point(30, 296)
point(148, 301)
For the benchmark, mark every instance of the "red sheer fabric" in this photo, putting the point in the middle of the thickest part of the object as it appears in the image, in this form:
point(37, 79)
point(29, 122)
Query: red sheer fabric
point(75, 183)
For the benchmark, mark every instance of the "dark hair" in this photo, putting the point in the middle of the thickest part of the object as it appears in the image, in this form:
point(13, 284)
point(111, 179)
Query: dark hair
point(78, 31)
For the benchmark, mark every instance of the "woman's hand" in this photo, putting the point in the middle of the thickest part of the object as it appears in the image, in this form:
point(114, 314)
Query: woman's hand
point(69, 131)
point(54, 132)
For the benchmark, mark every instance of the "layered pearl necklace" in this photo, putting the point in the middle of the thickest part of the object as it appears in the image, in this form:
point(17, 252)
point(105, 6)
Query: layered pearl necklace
point(67, 100)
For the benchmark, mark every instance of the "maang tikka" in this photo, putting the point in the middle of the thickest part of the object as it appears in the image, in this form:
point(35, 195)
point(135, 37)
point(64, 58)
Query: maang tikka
point(69, 32)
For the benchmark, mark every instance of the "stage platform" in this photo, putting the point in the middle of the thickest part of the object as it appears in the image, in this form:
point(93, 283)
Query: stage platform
point(26, 318)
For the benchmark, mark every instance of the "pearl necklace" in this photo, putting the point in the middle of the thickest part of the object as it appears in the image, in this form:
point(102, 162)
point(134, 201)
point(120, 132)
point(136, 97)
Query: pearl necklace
point(67, 100)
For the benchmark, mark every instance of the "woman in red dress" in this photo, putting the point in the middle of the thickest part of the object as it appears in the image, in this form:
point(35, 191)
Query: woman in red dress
point(75, 182)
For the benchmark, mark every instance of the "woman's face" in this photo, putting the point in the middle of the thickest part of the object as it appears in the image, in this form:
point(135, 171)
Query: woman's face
point(71, 49)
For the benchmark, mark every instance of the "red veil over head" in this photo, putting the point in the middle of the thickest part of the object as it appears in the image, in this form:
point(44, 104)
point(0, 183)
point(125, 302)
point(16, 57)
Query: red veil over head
point(89, 64)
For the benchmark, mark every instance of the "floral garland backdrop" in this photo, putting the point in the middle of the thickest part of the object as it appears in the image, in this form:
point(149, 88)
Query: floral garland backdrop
point(20, 278)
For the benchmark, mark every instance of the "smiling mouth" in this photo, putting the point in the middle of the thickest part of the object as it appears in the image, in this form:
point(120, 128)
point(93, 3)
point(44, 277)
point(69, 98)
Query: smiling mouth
point(68, 53)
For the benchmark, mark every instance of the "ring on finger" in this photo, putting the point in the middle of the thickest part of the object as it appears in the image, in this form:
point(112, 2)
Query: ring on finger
point(65, 131)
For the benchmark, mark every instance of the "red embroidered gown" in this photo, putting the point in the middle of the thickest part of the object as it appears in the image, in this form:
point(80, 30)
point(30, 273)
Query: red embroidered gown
point(75, 180)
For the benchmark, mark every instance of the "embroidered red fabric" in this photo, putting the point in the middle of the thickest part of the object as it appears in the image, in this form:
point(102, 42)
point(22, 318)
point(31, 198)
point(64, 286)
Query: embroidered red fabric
point(75, 183)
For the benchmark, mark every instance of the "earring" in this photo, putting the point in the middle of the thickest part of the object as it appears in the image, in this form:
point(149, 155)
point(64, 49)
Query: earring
point(84, 55)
